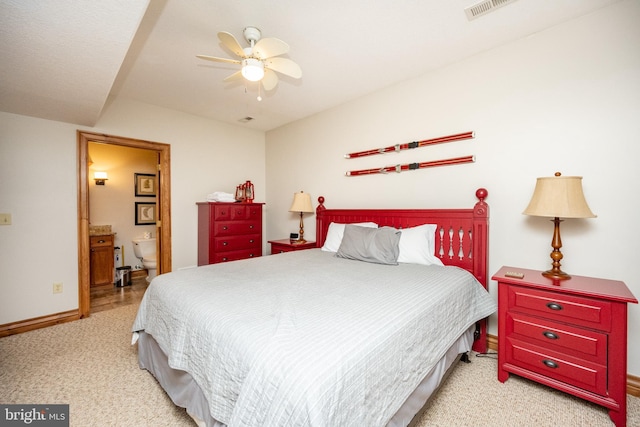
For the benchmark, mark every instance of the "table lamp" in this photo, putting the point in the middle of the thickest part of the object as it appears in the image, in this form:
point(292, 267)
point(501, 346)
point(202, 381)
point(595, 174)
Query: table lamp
point(558, 197)
point(301, 203)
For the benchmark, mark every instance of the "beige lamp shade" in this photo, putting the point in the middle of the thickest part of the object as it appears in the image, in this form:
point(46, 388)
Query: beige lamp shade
point(559, 197)
point(301, 203)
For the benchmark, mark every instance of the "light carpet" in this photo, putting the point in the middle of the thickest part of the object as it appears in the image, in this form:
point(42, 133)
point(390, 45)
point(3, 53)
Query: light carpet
point(90, 365)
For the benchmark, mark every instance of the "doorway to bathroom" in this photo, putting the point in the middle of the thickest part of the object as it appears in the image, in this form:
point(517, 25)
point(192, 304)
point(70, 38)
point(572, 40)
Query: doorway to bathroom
point(129, 200)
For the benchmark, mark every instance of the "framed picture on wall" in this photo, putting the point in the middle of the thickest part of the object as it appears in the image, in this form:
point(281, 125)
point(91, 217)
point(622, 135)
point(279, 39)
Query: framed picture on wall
point(145, 185)
point(145, 213)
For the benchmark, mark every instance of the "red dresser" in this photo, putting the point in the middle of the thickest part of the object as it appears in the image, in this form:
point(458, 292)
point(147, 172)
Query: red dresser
point(570, 335)
point(229, 231)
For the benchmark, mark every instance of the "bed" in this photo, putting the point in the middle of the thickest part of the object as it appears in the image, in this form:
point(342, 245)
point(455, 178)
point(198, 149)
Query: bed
point(358, 331)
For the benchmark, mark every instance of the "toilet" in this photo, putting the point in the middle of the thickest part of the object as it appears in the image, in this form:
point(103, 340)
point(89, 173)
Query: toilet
point(145, 251)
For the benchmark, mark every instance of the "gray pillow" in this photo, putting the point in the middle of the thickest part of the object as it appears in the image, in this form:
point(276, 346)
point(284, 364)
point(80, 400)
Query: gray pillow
point(377, 245)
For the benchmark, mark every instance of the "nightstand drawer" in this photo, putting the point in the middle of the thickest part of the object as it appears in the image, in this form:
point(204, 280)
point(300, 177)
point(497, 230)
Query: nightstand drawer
point(582, 343)
point(578, 372)
point(561, 307)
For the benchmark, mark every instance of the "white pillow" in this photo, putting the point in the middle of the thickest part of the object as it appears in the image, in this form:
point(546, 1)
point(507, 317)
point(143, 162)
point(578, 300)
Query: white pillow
point(336, 232)
point(417, 245)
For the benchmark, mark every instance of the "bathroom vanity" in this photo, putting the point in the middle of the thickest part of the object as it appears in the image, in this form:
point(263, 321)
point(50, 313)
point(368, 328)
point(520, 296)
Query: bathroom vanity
point(101, 259)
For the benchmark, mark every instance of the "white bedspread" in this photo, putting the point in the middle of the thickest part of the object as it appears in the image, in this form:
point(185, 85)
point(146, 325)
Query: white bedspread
point(333, 342)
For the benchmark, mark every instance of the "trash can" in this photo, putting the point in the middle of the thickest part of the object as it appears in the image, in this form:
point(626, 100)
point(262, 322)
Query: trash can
point(123, 276)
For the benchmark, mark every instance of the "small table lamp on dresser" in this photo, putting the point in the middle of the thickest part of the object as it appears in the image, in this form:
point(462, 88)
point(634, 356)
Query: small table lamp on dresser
point(558, 197)
point(301, 203)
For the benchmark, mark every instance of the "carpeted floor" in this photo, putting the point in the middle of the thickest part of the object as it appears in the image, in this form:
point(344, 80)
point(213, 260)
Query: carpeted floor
point(90, 365)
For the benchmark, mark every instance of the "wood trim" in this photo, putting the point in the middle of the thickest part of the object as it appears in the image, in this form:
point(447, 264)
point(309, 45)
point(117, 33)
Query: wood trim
point(633, 385)
point(38, 322)
point(633, 382)
point(164, 209)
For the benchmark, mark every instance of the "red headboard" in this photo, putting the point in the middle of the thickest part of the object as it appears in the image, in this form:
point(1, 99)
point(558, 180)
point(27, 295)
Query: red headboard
point(462, 238)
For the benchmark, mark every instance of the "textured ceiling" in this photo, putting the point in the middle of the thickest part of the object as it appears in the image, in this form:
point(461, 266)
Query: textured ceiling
point(61, 59)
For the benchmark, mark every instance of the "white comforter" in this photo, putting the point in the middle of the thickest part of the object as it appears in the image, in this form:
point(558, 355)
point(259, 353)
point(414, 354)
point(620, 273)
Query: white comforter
point(307, 339)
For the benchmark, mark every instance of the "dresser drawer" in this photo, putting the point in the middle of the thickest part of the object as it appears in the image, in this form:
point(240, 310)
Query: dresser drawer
point(237, 212)
point(98, 241)
point(578, 342)
point(232, 243)
point(236, 255)
point(228, 228)
point(578, 372)
point(573, 309)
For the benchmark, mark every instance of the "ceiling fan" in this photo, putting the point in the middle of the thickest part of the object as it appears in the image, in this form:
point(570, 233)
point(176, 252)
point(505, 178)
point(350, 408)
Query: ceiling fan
point(260, 60)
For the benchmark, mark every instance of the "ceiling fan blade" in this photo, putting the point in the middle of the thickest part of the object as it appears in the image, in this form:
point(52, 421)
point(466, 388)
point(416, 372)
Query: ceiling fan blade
point(268, 47)
point(270, 79)
point(216, 59)
point(284, 66)
point(231, 43)
point(235, 76)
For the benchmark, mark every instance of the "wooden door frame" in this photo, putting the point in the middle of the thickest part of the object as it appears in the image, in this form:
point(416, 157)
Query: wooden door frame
point(164, 207)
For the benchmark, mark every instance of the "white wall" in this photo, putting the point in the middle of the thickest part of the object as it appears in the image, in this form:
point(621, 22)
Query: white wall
point(38, 186)
point(566, 99)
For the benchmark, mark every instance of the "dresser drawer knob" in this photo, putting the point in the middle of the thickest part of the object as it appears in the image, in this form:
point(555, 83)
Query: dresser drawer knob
point(550, 363)
point(250, 240)
point(250, 255)
point(251, 227)
point(225, 243)
point(225, 228)
point(554, 306)
point(550, 335)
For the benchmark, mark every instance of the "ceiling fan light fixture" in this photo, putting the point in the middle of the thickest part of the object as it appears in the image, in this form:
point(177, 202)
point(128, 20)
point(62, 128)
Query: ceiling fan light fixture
point(252, 69)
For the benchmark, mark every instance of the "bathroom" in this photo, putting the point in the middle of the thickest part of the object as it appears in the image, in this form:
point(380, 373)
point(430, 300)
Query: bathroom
point(125, 201)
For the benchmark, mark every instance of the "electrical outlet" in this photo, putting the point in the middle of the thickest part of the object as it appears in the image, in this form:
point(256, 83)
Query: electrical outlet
point(5, 219)
point(57, 288)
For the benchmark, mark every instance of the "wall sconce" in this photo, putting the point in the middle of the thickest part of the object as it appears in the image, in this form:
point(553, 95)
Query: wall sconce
point(100, 177)
point(554, 197)
point(301, 203)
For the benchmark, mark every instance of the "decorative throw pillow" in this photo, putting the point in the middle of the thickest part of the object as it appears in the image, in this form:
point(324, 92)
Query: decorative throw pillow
point(376, 245)
point(417, 245)
point(335, 233)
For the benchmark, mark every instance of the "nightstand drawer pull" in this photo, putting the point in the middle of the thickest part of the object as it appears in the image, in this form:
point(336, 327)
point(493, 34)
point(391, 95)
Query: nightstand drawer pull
point(550, 363)
point(225, 243)
point(554, 306)
point(550, 335)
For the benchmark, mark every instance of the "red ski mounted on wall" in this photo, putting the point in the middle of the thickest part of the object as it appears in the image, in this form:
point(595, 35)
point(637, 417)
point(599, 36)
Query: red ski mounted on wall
point(413, 166)
point(409, 145)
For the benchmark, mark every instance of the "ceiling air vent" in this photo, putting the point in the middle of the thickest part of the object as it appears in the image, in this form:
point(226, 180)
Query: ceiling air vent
point(485, 7)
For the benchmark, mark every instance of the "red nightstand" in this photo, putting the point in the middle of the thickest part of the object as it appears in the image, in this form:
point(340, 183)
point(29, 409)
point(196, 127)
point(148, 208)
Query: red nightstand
point(286, 245)
point(570, 335)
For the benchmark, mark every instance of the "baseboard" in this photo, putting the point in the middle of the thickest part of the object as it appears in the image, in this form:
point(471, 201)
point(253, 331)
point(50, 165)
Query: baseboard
point(38, 322)
point(633, 382)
